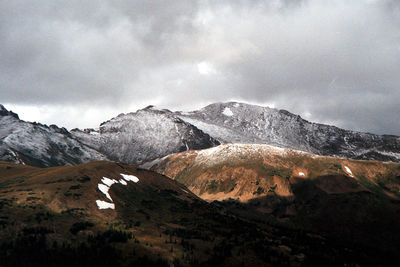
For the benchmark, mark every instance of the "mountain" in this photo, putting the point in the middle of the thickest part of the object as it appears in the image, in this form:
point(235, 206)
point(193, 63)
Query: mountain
point(40, 145)
point(111, 214)
point(150, 133)
point(230, 204)
point(234, 122)
point(144, 135)
point(354, 200)
point(246, 171)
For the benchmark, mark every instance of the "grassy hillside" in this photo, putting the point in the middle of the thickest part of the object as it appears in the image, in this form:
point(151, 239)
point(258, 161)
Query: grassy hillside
point(50, 217)
point(55, 210)
point(353, 202)
point(244, 172)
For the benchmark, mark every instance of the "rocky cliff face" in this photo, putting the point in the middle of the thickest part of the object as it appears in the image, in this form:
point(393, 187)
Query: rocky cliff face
point(5, 112)
point(145, 135)
point(150, 133)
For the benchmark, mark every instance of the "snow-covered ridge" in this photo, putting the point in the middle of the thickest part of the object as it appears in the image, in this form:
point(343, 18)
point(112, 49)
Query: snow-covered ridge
point(149, 134)
point(145, 135)
point(234, 122)
point(105, 185)
point(228, 152)
point(40, 145)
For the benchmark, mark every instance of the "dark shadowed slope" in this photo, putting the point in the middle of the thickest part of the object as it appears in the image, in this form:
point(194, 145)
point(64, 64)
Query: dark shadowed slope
point(355, 202)
point(59, 217)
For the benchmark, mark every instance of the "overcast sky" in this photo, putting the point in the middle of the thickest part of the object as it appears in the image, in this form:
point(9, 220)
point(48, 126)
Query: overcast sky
point(78, 63)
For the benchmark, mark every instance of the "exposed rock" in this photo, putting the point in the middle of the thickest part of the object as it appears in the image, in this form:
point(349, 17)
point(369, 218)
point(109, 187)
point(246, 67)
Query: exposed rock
point(145, 135)
point(39, 145)
point(262, 125)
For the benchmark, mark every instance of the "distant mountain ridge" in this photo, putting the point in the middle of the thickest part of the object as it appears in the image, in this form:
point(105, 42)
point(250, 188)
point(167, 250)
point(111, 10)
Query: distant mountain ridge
point(234, 122)
point(40, 145)
point(151, 133)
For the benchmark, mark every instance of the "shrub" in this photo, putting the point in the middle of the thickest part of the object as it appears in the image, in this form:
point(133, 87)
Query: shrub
point(79, 226)
point(84, 179)
point(259, 191)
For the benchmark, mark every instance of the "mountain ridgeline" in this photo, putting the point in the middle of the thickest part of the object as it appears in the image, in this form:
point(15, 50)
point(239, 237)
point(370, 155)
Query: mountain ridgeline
point(150, 133)
point(145, 135)
point(40, 145)
point(242, 123)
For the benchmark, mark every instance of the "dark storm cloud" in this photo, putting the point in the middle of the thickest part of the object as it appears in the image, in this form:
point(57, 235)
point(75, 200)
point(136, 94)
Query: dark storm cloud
point(330, 61)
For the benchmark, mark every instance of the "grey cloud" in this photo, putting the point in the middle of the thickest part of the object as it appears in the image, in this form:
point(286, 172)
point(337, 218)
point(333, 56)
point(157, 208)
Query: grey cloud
point(332, 61)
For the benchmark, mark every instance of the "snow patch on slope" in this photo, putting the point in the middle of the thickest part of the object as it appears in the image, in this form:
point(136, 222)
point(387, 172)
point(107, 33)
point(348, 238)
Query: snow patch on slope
point(104, 187)
point(349, 172)
point(104, 205)
point(132, 178)
point(227, 112)
point(108, 181)
point(185, 191)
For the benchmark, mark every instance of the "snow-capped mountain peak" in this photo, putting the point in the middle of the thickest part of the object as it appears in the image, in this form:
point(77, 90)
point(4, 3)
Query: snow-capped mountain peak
point(234, 122)
point(144, 135)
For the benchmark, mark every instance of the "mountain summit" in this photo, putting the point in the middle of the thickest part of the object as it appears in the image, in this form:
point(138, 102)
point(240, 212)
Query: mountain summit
point(150, 133)
point(234, 122)
point(145, 135)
